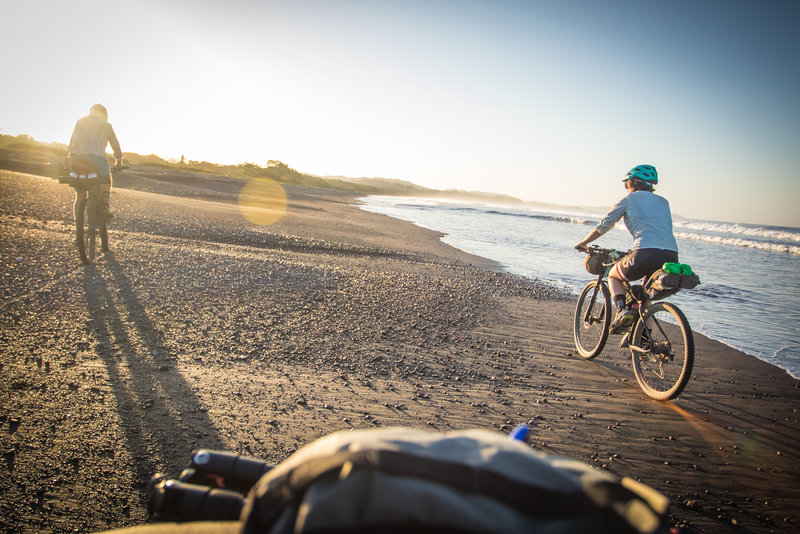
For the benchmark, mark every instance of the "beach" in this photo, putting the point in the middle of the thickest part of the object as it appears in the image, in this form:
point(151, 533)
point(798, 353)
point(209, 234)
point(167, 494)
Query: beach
point(202, 330)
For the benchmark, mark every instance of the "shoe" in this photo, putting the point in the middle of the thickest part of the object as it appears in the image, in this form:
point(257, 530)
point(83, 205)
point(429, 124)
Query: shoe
point(623, 319)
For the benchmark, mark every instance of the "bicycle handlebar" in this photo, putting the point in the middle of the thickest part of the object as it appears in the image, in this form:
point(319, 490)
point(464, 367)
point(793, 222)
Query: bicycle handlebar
point(213, 487)
point(178, 501)
point(595, 250)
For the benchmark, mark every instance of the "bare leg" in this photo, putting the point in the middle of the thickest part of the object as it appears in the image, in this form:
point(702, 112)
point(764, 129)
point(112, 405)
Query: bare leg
point(106, 189)
point(615, 283)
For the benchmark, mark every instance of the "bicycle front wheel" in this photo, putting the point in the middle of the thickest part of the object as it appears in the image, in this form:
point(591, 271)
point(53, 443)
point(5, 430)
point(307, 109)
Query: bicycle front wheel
point(662, 351)
point(592, 319)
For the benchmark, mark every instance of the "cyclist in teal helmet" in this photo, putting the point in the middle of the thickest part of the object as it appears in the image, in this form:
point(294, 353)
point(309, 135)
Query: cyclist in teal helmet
point(649, 220)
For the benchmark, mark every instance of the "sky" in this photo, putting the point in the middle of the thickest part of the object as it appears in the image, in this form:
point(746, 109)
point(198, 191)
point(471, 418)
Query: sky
point(544, 100)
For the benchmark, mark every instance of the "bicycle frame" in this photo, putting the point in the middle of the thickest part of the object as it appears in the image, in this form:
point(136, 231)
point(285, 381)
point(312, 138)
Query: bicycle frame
point(90, 217)
point(92, 213)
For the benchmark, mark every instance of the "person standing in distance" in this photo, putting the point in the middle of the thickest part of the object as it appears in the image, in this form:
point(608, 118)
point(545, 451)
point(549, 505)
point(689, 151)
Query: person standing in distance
point(89, 140)
point(649, 220)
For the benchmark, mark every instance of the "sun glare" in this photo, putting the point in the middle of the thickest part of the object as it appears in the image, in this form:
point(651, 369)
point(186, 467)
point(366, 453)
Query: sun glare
point(262, 201)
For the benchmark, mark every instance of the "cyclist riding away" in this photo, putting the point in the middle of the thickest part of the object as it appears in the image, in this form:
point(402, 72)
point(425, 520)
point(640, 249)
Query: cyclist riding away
point(89, 140)
point(649, 220)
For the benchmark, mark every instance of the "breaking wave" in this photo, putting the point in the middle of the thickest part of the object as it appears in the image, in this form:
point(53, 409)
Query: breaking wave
point(768, 246)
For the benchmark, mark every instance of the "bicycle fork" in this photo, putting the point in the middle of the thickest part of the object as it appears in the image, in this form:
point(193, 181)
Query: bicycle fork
point(587, 317)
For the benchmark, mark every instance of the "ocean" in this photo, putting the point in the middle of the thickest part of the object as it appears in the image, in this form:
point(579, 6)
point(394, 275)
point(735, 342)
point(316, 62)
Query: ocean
point(748, 298)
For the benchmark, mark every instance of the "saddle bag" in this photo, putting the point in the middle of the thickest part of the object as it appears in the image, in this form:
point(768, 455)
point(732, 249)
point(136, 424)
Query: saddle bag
point(82, 174)
point(663, 284)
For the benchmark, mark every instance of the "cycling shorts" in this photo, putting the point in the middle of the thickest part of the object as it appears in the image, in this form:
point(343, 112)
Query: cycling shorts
point(644, 262)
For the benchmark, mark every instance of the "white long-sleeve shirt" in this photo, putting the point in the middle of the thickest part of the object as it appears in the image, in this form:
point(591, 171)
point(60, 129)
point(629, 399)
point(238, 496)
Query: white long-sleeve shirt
point(91, 136)
point(647, 217)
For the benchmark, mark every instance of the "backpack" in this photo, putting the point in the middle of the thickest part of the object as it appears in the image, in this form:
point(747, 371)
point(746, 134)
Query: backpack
point(402, 480)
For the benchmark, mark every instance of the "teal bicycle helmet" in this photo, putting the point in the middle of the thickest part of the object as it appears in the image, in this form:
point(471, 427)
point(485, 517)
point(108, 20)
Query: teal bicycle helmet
point(645, 173)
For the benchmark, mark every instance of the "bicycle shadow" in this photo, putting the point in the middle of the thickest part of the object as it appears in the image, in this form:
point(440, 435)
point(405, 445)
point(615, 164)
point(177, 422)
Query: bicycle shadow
point(161, 416)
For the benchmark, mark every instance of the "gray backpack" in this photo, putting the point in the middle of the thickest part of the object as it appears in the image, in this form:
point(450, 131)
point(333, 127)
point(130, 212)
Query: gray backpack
point(402, 480)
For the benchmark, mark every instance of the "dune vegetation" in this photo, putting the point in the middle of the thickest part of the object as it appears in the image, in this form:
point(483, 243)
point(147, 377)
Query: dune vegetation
point(23, 153)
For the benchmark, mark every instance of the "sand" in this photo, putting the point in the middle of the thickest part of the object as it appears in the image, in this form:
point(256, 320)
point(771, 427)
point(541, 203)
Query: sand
point(200, 329)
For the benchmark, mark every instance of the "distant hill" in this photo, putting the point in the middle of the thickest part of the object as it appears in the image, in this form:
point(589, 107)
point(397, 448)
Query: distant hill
point(395, 187)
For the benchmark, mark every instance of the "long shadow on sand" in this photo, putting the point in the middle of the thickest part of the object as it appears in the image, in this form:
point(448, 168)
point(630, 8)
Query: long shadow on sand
point(161, 416)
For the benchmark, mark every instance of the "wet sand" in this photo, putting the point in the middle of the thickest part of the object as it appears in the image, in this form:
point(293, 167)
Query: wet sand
point(200, 329)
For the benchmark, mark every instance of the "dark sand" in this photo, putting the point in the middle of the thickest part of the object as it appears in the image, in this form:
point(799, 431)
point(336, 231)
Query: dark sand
point(202, 330)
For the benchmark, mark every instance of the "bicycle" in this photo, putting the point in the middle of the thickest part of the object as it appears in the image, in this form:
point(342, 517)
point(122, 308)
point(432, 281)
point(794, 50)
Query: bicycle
point(91, 218)
point(660, 339)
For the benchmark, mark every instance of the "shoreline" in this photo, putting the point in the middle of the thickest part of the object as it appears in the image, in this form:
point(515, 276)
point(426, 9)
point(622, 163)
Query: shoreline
point(202, 330)
point(555, 282)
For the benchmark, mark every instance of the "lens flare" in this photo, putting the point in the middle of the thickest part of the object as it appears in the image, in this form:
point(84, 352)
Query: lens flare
point(262, 201)
point(753, 448)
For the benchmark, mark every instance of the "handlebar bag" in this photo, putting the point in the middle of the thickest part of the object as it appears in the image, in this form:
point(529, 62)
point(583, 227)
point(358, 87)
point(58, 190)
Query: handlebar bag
point(403, 480)
point(594, 263)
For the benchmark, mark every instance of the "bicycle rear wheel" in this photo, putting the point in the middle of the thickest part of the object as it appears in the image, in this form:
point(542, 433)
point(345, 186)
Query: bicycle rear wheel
point(82, 232)
point(664, 366)
point(592, 319)
point(93, 226)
